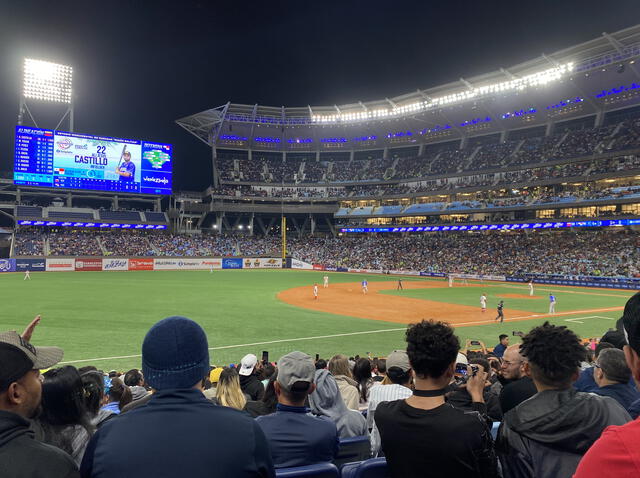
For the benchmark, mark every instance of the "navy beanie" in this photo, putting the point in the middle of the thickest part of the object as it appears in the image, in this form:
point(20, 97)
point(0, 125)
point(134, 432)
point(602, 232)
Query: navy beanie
point(175, 354)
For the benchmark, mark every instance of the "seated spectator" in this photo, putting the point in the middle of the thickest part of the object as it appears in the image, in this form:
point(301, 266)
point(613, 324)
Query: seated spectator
point(517, 386)
point(499, 349)
point(586, 382)
point(379, 369)
point(173, 434)
point(64, 421)
point(265, 406)
point(362, 375)
point(612, 376)
point(425, 436)
point(118, 395)
point(20, 393)
point(615, 454)
point(321, 364)
point(249, 381)
point(93, 383)
point(326, 401)
point(460, 398)
point(547, 434)
point(228, 392)
point(135, 381)
point(214, 379)
point(297, 438)
point(400, 381)
point(339, 368)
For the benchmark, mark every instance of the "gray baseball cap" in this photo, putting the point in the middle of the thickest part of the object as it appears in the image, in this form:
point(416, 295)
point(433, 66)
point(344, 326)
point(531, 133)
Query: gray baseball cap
point(295, 367)
point(40, 357)
point(400, 359)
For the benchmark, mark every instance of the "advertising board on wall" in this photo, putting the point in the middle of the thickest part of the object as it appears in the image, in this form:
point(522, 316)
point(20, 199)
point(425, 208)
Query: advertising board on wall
point(232, 263)
point(186, 264)
point(30, 265)
point(261, 263)
point(115, 264)
point(61, 265)
point(7, 265)
point(140, 264)
point(297, 264)
point(88, 264)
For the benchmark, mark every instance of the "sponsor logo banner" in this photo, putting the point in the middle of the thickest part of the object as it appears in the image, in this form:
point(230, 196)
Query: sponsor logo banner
point(261, 263)
point(88, 264)
point(341, 269)
point(318, 267)
point(432, 274)
point(140, 264)
point(405, 273)
point(296, 264)
point(232, 263)
point(7, 265)
point(61, 265)
point(187, 264)
point(115, 264)
point(30, 265)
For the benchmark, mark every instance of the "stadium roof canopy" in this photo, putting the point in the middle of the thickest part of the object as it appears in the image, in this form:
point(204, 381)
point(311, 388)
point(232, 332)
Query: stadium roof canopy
point(592, 78)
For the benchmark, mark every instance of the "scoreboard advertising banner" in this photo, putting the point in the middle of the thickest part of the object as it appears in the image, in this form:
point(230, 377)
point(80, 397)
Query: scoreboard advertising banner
point(57, 159)
point(88, 264)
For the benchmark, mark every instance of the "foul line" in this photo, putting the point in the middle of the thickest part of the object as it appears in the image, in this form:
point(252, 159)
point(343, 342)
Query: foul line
point(250, 345)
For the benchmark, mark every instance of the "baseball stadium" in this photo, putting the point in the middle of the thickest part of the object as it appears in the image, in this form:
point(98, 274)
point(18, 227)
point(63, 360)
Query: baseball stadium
point(501, 204)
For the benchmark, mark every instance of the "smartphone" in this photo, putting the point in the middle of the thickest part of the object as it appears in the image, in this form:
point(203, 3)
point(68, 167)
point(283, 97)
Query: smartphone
point(317, 357)
point(461, 369)
point(474, 342)
point(265, 356)
point(517, 334)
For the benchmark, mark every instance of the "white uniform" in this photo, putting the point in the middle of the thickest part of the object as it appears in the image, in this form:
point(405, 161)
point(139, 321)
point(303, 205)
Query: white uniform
point(483, 302)
point(552, 304)
point(530, 288)
point(325, 281)
point(315, 291)
point(450, 281)
point(26, 275)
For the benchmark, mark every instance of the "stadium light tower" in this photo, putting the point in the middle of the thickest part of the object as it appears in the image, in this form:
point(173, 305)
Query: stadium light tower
point(44, 81)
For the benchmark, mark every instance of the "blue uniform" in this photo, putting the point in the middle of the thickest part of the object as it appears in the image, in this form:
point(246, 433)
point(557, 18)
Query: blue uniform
point(128, 167)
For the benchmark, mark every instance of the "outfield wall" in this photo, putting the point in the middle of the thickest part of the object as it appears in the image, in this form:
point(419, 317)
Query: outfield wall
point(69, 264)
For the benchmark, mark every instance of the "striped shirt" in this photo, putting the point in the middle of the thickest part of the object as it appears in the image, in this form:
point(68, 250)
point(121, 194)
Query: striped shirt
point(379, 394)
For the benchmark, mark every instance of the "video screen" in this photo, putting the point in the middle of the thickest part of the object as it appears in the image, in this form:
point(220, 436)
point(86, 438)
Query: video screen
point(57, 159)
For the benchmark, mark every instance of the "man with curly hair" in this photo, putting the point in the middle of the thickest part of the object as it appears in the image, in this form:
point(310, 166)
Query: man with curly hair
point(546, 435)
point(616, 453)
point(424, 435)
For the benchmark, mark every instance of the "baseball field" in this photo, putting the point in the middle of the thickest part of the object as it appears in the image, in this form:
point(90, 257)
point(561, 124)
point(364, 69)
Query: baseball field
point(100, 318)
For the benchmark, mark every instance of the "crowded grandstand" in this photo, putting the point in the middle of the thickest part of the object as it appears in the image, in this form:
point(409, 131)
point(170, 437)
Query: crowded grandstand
point(521, 184)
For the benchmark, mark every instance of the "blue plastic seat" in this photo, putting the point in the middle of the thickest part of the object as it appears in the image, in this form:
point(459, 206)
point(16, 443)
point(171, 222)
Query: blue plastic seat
point(353, 449)
point(319, 470)
point(371, 468)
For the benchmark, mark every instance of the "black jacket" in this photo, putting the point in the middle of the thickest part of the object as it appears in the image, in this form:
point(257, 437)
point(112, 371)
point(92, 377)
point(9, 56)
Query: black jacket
point(179, 433)
point(252, 386)
point(21, 456)
point(546, 435)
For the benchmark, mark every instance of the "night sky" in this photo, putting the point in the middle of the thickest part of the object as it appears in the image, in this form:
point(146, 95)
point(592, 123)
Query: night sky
point(140, 65)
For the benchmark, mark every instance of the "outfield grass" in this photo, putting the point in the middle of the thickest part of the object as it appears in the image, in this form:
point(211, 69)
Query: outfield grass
point(100, 318)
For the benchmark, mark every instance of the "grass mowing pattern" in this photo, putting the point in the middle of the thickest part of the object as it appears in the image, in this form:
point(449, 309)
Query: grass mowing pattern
point(106, 314)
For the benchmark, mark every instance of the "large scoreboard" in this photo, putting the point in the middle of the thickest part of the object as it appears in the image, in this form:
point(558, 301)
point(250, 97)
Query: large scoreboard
point(57, 159)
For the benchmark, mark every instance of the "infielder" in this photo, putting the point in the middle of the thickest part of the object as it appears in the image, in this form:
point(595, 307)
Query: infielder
point(399, 287)
point(325, 282)
point(450, 280)
point(483, 302)
point(365, 287)
point(315, 291)
point(552, 304)
point(531, 287)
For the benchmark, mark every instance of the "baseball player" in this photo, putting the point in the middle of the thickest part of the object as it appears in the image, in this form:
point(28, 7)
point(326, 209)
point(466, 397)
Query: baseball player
point(365, 286)
point(315, 291)
point(500, 311)
point(450, 280)
point(399, 287)
point(26, 275)
point(552, 304)
point(531, 287)
point(325, 282)
point(483, 302)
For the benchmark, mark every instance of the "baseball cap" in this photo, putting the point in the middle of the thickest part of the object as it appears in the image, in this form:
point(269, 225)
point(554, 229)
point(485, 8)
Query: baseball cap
point(17, 357)
point(400, 359)
point(462, 358)
point(247, 363)
point(214, 375)
point(295, 367)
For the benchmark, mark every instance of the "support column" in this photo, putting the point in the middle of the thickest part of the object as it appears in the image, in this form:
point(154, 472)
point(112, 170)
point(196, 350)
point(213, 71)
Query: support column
point(599, 119)
point(251, 224)
point(158, 207)
point(385, 153)
point(70, 200)
point(503, 136)
point(313, 223)
point(549, 130)
point(421, 149)
point(463, 142)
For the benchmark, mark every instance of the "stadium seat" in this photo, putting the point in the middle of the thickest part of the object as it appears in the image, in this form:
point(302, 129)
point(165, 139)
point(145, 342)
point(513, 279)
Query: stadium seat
point(353, 449)
point(372, 468)
point(319, 470)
